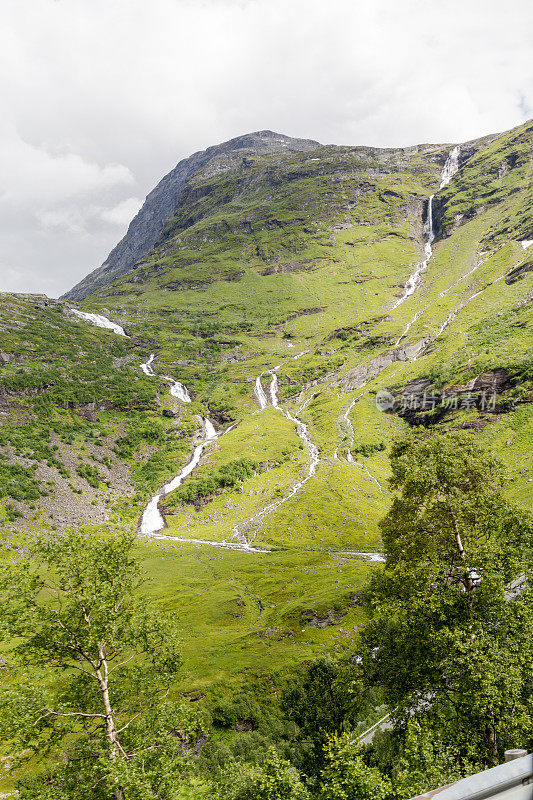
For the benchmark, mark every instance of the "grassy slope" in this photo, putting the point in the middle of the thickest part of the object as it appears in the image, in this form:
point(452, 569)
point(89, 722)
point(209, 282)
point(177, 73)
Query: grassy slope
point(284, 215)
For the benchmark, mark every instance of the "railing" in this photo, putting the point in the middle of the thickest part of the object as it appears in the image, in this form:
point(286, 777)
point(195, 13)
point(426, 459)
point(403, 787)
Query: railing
point(510, 781)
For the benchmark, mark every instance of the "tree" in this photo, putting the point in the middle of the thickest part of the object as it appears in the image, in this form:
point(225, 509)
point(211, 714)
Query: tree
point(275, 779)
point(325, 698)
point(450, 637)
point(427, 760)
point(103, 661)
point(346, 776)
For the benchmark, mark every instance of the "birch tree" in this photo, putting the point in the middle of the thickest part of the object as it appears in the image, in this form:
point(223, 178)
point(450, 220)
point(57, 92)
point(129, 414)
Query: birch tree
point(450, 637)
point(72, 606)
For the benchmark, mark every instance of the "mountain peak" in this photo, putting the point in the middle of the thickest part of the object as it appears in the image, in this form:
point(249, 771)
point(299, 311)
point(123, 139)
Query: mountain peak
point(148, 224)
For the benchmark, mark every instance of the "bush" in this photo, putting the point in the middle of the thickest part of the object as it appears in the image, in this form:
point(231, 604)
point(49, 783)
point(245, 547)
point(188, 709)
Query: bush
point(227, 476)
point(367, 449)
point(91, 475)
point(20, 483)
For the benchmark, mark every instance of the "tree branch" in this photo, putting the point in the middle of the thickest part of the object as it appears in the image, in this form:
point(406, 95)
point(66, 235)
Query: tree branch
point(66, 714)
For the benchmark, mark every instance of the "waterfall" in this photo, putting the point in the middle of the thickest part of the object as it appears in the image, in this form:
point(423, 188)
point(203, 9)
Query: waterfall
point(303, 432)
point(260, 395)
point(152, 520)
point(177, 389)
point(100, 321)
point(413, 282)
point(147, 367)
point(210, 431)
point(274, 390)
point(450, 167)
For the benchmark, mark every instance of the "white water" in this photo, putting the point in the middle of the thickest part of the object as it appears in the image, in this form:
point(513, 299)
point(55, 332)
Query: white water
point(152, 520)
point(450, 167)
point(372, 555)
point(413, 282)
point(100, 321)
point(441, 294)
point(177, 389)
point(260, 395)
point(230, 545)
point(453, 314)
point(349, 457)
point(462, 278)
point(147, 367)
point(274, 390)
point(347, 421)
point(210, 431)
point(303, 432)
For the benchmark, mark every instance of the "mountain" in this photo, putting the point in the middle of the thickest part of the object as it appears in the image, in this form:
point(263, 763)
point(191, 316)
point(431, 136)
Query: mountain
point(160, 204)
point(290, 309)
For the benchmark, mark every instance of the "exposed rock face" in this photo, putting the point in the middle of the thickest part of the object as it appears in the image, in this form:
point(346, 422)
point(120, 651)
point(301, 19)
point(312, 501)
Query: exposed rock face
point(160, 204)
point(365, 372)
point(518, 273)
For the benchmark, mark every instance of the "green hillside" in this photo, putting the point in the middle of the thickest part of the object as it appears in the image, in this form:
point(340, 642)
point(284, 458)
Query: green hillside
point(284, 264)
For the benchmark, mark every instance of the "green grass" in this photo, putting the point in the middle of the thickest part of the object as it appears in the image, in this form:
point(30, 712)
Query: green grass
point(292, 251)
point(241, 613)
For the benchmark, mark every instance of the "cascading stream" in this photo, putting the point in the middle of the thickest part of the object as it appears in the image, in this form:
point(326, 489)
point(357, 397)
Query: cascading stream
point(259, 394)
point(450, 167)
point(303, 432)
point(147, 367)
point(177, 389)
point(100, 321)
point(152, 520)
point(413, 282)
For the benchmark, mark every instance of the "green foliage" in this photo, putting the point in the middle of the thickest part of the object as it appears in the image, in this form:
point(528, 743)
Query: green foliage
point(346, 776)
point(72, 606)
point(307, 251)
point(275, 779)
point(226, 476)
point(449, 639)
point(91, 475)
point(325, 698)
point(368, 449)
point(429, 758)
point(151, 431)
point(19, 483)
point(32, 440)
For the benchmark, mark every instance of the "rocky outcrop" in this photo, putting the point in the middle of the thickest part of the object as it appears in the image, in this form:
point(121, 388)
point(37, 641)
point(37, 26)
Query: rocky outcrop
point(365, 372)
point(146, 228)
point(518, 273)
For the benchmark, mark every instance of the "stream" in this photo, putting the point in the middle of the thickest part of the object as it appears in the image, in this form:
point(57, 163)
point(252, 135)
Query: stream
point(100, 321)
point(152, 521)
point(450, 168)
point(303, 432)
point(177, 389)
point(413, 282)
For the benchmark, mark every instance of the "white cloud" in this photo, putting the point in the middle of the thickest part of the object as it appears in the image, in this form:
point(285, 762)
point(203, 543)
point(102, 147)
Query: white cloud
point(102, 97)
point(123, 212)
point(33, 174)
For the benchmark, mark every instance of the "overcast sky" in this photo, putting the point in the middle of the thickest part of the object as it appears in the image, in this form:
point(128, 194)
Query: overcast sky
point(100, 98)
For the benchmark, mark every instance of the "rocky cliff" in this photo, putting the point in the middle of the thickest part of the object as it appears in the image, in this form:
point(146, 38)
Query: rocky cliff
point(159, 206)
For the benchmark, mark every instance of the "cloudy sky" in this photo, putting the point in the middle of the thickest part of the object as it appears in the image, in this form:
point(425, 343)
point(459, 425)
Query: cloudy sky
point(100, 98)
